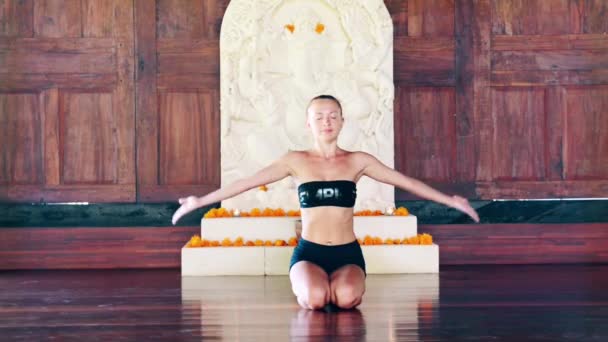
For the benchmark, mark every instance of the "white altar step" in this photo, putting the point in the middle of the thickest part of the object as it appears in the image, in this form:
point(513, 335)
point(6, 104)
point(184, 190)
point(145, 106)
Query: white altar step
point(379, 259)
point(271, 260)
point(284, 228)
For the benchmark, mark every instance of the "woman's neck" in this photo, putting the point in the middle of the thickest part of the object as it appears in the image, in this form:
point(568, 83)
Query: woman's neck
point(326, 150)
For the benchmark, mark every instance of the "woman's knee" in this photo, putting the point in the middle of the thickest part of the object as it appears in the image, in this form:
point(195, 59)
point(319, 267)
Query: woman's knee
point(348, 296)
point(316, 297)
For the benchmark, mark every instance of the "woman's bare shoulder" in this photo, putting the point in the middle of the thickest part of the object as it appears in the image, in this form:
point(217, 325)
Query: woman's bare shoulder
point(363, 157)
point(296, 154)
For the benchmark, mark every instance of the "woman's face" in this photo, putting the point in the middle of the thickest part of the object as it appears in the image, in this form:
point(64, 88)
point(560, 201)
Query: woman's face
point(324, 119)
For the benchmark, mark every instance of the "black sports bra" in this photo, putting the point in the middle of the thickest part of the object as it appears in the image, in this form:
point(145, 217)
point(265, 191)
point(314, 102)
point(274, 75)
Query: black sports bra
point(338, 193)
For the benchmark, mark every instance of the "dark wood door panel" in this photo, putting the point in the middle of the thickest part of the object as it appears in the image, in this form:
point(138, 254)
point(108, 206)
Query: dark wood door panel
point(66, 72)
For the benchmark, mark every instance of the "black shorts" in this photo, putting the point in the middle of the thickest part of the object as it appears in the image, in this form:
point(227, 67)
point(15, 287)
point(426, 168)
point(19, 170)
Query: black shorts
point(328, 257)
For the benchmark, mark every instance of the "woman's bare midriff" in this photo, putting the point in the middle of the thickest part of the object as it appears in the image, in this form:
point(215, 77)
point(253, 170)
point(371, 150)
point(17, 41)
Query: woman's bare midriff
point(328, 225)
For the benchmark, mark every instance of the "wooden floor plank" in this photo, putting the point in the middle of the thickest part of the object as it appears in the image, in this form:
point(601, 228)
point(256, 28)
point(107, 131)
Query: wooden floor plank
point(525, 302)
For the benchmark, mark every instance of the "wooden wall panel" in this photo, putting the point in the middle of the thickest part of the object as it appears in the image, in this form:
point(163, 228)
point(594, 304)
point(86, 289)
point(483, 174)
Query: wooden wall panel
point(487, 55)
point(93, 247)
point(151, 247)
point(549, 69)
point(188, 121)
point(57, 18)
point(550, 60)
point(88, 138)
point(555, 114)
point(530, 17)
point(123, 104)
point(472, 92)
point(586, 133)
point(594, 16)
point(423, 62)
point(425, 119)
point(518, 134)
point(203, 61)
point(520, 243)
point(178, 83)
point(398, 11)
point(53, 62)
point(430, 18)
point(424, 55)
point(146, 97)
point(20, 139)
point(179, 19)
point(213, 12)
point(98, 18)
point(541, 43)
point(78, 65)
point(17, 18)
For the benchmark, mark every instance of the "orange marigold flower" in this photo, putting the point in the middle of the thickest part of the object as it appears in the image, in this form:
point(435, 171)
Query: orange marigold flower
point(279, 212)
point(290, 27)
point(211, 213)
point(401, 211)
point(227, 242)
point(214, 243)
point(377, 213)
point(293, 241)
point(426, 239)
point(293, 213)
point(268, 212)
point(280, 243)
point(204, 243)
point(223, 212)
point(194, 241)
point(256, 212)
point(268, 243)
point(388, 241)
point(263, 188)
point(249, 243)
point(259, 242)
point(319, 28)
point(368, 240)
point(377, 240)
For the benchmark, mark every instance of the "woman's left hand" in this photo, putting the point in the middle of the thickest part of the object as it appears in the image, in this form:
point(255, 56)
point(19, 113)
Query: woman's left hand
point(463, 205)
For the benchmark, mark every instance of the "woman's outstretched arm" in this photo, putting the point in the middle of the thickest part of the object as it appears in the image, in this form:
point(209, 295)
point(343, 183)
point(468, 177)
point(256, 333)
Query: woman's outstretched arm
point(375, 169)
point(270, 174)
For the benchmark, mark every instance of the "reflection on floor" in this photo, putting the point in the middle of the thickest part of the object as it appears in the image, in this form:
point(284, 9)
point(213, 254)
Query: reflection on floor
point(513, 303)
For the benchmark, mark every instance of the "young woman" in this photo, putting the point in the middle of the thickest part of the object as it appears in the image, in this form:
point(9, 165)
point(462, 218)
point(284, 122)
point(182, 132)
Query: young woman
point(327, 265)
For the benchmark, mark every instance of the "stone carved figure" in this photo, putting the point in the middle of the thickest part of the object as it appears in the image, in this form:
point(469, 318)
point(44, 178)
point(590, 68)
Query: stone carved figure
point(274, 57)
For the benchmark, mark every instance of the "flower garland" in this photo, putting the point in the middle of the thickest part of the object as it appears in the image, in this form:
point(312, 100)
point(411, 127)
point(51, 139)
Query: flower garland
point(279, 212)
point(196, 241)
point(419, 239)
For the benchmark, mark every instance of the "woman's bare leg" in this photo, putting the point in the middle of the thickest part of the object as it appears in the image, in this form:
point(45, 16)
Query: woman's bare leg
point(347, 285)
point(310, 284)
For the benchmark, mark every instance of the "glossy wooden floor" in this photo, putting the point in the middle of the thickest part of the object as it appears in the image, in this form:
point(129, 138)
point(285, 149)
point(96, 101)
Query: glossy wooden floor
point(508, 303)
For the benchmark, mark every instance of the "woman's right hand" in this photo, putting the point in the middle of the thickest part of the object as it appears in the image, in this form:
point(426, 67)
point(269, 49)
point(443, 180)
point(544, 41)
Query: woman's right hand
point(463, 205)
point(187, 205)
